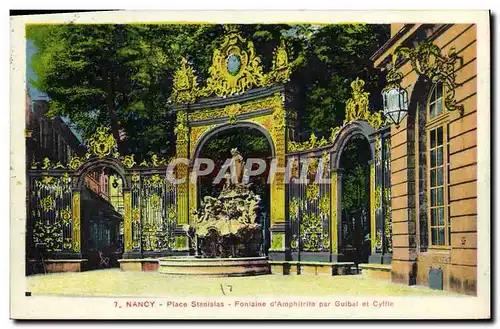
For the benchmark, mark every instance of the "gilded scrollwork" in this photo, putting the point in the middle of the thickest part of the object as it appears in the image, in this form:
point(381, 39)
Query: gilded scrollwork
point(128, 161)
point(247, 73)
point(75, 163)
point(185, 86)
point(334, 211)
point(312, 143)
point(155, 161)
point(196, 133)
point(154, 181)
point(48, 203)
point(357, 106)
point(374, 204)
point(76, 222)
point(233, 110)
point(426, 59)
point(127, 220)
point(281, 69)
point(47, 164)
point(378, 148)
point(235, 68)
point(102, 142)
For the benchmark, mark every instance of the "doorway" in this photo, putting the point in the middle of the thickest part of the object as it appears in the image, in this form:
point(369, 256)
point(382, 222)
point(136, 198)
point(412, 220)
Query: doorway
point(102, 211)
point(355, 200)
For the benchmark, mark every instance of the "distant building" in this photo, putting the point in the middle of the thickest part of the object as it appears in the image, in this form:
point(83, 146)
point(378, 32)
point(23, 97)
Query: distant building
point(102, 202)
point(48, 138)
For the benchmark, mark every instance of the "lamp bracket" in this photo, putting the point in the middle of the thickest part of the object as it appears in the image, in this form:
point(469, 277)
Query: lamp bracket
point(426, 59)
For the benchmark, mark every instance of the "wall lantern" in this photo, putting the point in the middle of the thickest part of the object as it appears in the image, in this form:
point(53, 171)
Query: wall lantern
point(426, 59)
point(395, 98)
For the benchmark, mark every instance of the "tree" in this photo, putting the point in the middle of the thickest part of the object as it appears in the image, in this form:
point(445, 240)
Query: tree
point(332, 57)
point(121, 75)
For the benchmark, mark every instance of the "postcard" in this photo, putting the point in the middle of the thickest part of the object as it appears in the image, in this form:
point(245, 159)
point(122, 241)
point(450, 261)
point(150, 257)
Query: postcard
point(250, 165)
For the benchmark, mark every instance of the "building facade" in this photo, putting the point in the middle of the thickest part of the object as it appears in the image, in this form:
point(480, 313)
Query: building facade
point(433, 161)
point(102, 195)
point(49, 138)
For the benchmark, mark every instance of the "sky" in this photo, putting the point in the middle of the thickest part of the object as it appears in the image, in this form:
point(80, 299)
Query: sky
point(36, 94)
point(30, 51)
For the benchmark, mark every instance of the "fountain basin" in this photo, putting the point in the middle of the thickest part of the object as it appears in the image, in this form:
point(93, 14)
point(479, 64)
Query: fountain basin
point(190, 265)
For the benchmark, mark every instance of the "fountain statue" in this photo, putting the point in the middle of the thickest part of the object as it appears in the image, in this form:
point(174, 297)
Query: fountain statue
point(228, 225)
point(225, 233)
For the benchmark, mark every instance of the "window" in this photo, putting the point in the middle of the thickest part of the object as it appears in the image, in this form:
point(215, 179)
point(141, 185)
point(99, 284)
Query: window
point(436, 102)
point(437, 169)
point(42, 132)
point(55, 138)
point(69, 154)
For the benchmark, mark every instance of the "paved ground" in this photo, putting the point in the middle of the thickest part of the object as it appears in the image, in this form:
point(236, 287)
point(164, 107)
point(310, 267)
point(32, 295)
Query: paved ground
point(113, 282)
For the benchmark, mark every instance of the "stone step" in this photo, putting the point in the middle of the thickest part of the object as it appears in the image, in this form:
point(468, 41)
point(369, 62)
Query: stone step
point(377, 271)
point(313, 268)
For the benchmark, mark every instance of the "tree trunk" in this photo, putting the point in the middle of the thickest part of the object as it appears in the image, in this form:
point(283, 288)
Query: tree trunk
point(110, 102)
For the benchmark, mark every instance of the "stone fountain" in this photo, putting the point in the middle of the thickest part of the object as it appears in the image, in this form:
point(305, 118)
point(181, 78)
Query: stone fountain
point(226, 233)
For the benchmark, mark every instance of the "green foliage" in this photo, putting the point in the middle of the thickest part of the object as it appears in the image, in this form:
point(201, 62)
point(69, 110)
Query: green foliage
point(121, 75)
point(333, 56)
point(250, 143)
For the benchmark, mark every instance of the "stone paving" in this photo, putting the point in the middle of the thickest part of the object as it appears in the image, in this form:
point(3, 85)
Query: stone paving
point(113, 282)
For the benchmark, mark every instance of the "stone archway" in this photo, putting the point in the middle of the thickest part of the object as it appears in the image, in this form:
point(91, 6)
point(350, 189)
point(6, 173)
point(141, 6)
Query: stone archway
point(353, 128)
point(262, 109)
point(240, 134)
point(213, 132)
point(94, 163)
point(343, 137)
point(227, 126)
point(243, 93)
point(101, 225)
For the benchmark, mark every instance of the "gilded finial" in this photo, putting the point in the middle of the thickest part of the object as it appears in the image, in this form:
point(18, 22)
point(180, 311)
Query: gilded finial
point(231, 28)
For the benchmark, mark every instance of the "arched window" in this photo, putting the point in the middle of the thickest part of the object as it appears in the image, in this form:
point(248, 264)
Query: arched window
point(437, 169)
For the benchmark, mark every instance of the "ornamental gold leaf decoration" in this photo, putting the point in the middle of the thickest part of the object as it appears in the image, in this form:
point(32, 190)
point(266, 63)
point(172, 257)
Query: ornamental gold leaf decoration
point(102, 142)
point(76, 222)
point(48, 203)
point(75, 163)
point(185, 86)
point(312, 143)
point(235, 68)
point(426, 59)
point(65, 216)
point(274, 122)
point(47, 181)
point(312, 191)
point(181, 129)
point(34, 164)
point(128, 161)
point(378, 148)
point(356, 109)
point(227, 78)
point(281, 69)
point(154, 162)
point(154, 181)
point(378, 197)
point(127, 220)
point(357, 106)
point(46, 164)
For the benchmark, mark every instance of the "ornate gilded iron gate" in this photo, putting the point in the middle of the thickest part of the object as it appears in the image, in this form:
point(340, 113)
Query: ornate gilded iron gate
point(309, 201)
point(50, 212)
point(154, 212)
point(59, 224)
point(306, 202)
